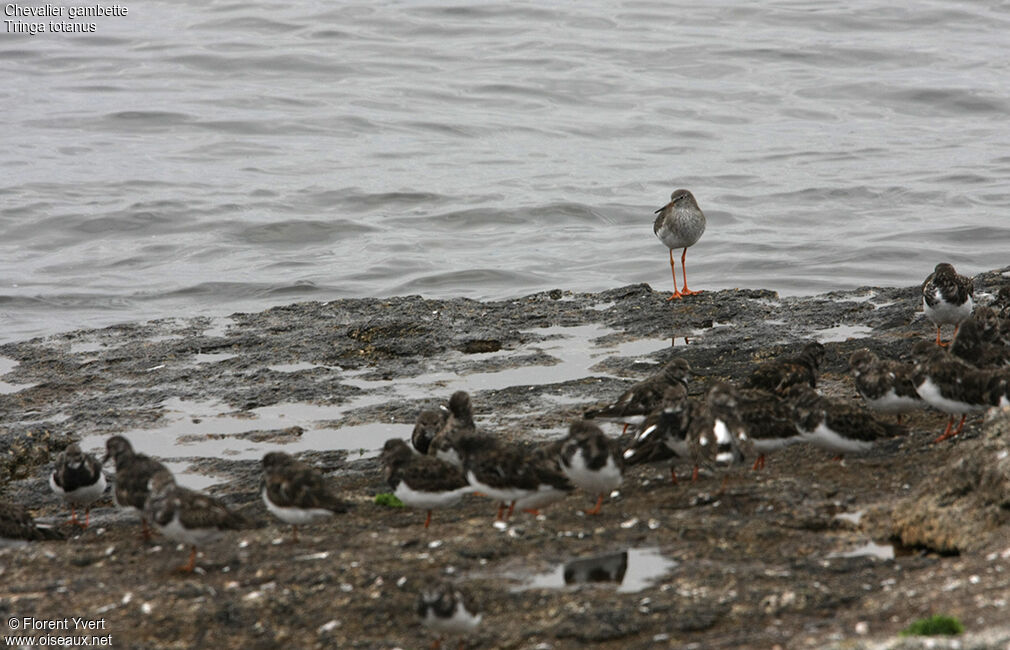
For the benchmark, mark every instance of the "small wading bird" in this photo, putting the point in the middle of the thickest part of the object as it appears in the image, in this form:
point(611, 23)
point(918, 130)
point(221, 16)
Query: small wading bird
point(680, 224)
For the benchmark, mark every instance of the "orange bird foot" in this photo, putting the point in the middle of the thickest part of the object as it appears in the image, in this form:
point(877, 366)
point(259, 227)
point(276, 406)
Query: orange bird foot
point(189, 566)
point(676, 296)
point(688, 292)
point(595, 510)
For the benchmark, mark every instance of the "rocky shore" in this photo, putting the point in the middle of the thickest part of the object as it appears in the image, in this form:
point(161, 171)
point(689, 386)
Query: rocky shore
point(807, 553)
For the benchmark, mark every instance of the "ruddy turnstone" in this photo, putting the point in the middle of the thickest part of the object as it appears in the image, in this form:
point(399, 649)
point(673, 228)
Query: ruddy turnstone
point(886, 386)
point(189, 517)
point(512, 475)
point(777, 375)
point(297, 493)
point(423, 482)
point(427, 425)
point(447, 609)
point(947, 298)
point(679, 224)
point(768, 420)
point(79, 479)
point(645, 396)
point(950, 385)
point(591, 461)
point(133, 473)
point(16, 523)
point(978, 341)
point(458, 423)
point(836, 425)
point(717, 435)
point(663, 436)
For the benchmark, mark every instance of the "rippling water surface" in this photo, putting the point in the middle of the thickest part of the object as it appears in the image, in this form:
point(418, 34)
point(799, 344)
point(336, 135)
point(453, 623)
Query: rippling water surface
point(197, 157)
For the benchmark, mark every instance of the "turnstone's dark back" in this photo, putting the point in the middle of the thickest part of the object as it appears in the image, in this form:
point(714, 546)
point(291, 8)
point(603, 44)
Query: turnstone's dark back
point(717, 434)
point(978, 341)
point(839, 426)
point(133, 473)
point(679, 224)
point(512, 475)
point(777, 375)
point(767, 418)
point(886, 386)
point(187, 516)
point(296, 493)
point(78, 478)
point(426, 426)
point(16, 523)
point(947, 298)
point(645, 396)
point(663, 435)
point(423, 482)
point(447, 609)
point(591, 461)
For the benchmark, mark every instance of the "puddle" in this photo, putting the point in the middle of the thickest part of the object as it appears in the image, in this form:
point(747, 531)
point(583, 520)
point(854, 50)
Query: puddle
point(295, 367)
point(84, 347)
point(870, 549)
point(573, 347)
point(188, 479)
point(632, 570)
point(840, 333)
point(218, 327)
point(199, 429)
point(6, 365)
point(202, 357)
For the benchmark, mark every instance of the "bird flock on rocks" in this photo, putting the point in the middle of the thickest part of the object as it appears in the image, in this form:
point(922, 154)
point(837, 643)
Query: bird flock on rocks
point(449, 457)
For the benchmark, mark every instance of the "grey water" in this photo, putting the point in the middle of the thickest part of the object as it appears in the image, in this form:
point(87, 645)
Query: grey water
point(211, 157)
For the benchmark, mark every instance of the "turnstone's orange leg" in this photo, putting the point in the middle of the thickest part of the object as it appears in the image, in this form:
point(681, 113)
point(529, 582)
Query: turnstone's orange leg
point(673, 476)
point(512, 507)
point(938, 341)
point(694, 474)
point(946, 432)
point(189, 566)
point(427, 520)
point(673, 268)
point(501, 511)
point(899, 418)
point(294, 533)
point(960, 426)
point(532, 511)
point(626, 425)
point(596, 510)
point(759, 463)
point(683, 267)
point(145, 533)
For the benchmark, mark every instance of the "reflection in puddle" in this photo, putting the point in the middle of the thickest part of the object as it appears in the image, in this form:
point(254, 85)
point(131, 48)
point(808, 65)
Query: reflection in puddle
point(212, 358)
point(840, 333)
point(632, 570)
point(295, 367)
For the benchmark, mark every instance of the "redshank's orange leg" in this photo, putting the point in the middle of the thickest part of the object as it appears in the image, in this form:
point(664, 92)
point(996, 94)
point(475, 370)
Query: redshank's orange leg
point(683, 267)
point(596, 510)
point(673, 268)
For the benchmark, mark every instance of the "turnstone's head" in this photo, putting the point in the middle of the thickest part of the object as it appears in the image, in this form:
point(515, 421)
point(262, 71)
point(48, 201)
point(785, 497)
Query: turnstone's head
point(72, 456)
point(118, 449)
point(584, 428)
point(427, 424)
point(861, 361)
point(395, 451)
point(677, 371)
point(459, 405)
point(160, 482)
point(814, 351)
point(721, 396)
point(275, 460)
point(944, 269)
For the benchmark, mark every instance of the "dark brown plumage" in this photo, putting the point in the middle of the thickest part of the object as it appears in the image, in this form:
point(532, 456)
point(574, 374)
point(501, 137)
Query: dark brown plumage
point(777, 375)
point(133, 473)
point(187, 516)
point(424, 482)
point(297, 493)
point(645, 396)
point(17, 523)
